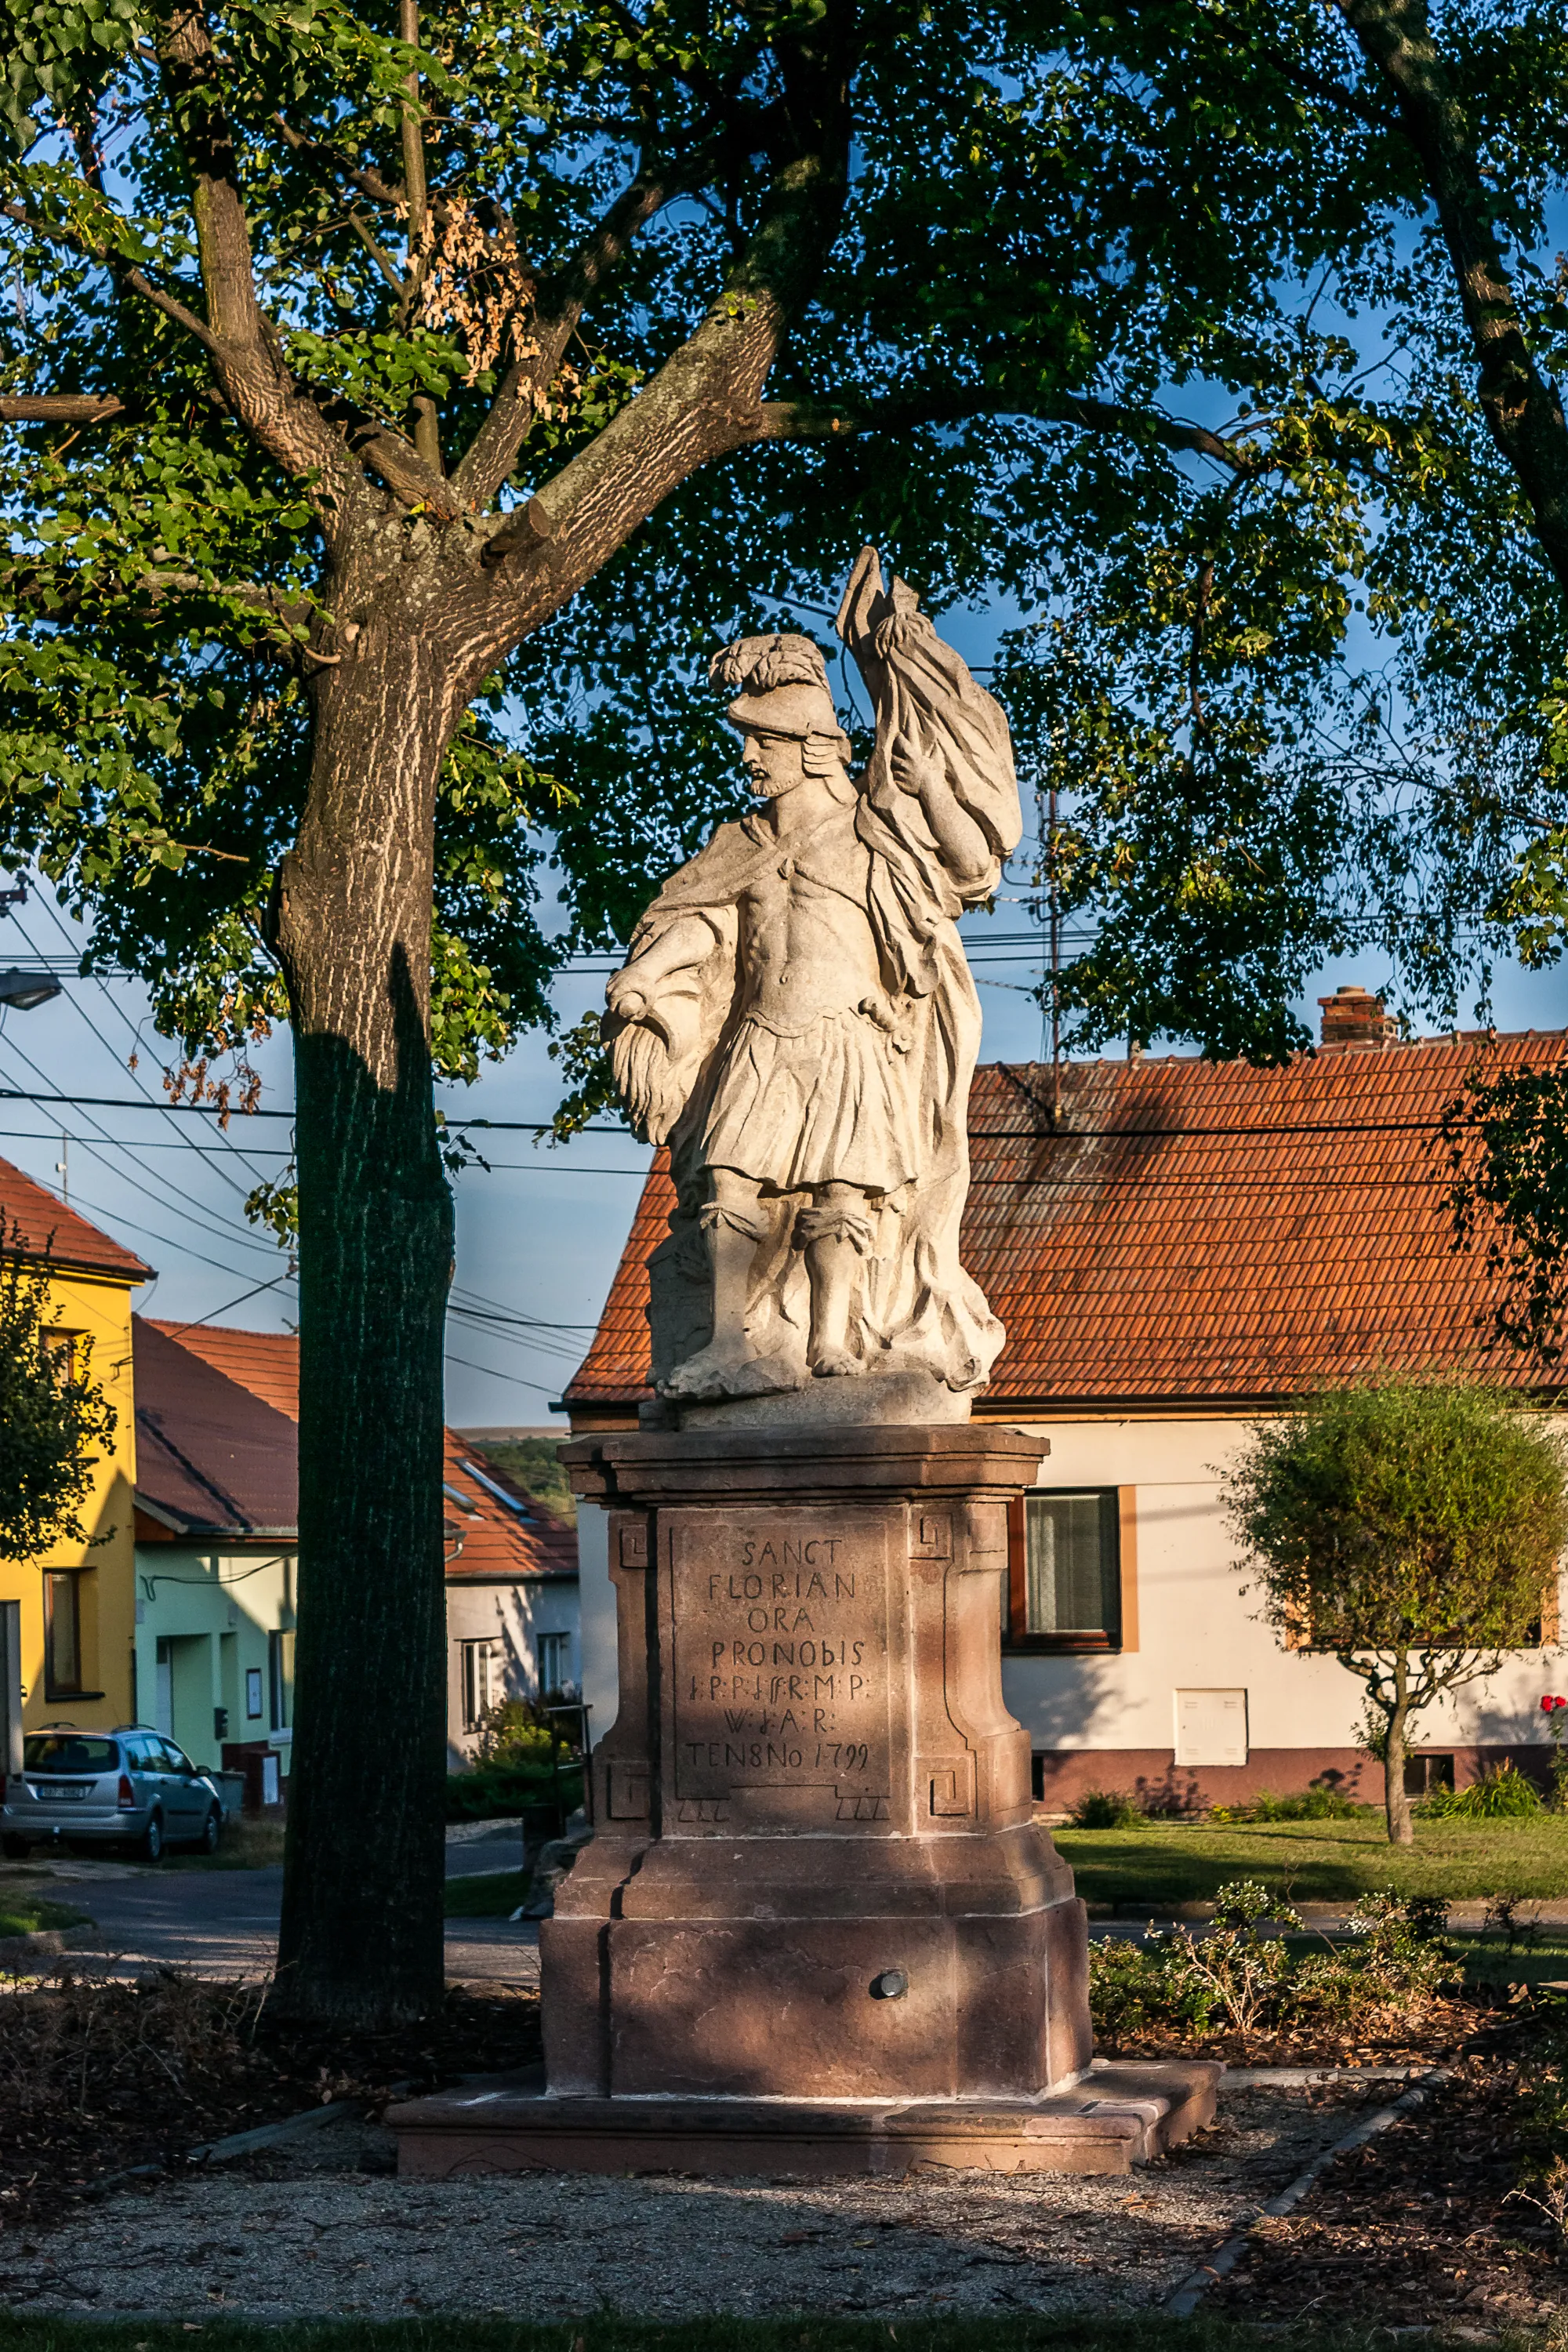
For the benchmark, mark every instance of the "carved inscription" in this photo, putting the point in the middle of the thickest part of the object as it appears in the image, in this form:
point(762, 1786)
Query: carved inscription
point(781, 1654)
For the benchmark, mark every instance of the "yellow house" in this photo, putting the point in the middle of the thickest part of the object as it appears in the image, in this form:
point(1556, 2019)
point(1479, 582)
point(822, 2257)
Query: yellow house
point(79, 1603)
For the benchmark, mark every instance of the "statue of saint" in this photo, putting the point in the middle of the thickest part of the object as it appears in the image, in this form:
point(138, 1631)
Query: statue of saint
point(797, 1020)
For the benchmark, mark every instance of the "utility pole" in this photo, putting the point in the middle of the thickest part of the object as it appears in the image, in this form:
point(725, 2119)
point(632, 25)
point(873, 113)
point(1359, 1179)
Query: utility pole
point(1054, 900)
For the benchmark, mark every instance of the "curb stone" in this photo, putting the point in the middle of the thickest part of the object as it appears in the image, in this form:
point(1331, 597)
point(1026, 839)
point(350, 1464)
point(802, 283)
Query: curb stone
point(1183, 2303)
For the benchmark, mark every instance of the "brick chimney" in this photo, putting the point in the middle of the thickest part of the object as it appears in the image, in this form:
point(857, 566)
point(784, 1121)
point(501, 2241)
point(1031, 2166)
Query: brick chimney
point(1353, 1016)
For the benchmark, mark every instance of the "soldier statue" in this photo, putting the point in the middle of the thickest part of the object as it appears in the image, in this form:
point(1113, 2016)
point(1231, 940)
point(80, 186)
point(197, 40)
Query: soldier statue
point(797, 1020)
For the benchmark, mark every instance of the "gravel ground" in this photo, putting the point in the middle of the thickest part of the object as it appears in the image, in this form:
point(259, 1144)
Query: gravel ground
point(325, 2229)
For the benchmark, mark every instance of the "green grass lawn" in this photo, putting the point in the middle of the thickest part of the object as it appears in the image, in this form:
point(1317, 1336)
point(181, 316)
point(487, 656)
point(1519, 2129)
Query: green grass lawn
point(606, 2332)
point(22, 1913)
point(1320, 1862)
point(491, 1895)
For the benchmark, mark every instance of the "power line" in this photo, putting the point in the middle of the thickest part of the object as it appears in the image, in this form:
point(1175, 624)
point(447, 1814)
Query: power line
point(541, 1388)
point(211, 1110)
point(174, 1199)
point(123, 1017)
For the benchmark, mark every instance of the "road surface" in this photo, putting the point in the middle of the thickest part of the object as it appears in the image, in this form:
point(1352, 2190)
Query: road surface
point(223, 1922)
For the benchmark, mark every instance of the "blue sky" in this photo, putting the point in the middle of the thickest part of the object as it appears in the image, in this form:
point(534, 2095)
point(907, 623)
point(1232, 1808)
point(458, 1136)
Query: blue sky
point(538, 1236)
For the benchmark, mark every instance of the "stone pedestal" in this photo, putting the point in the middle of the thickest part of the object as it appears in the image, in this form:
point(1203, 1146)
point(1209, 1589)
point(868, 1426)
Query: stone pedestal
point(813, 1786)
point(817, 1913)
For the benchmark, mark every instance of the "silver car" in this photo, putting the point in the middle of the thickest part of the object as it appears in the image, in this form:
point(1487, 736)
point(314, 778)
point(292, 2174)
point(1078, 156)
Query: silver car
point(130, 1786)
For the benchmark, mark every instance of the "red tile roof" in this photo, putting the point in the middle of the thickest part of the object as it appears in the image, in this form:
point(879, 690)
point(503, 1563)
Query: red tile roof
point(503, 1532)
point(1202, 1232)
point(47, 1229)
point(211, 1458)
point(265, 1362)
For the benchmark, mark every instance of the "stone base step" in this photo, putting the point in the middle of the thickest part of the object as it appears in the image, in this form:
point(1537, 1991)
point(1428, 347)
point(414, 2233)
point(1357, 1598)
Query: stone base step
point(1118, 2115)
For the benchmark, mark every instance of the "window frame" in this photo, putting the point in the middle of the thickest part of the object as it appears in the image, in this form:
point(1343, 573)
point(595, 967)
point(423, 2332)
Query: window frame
point(481, 1649)
point(1120, 1523)
point(557, 1635)
point(53, 1686)
point(279, 1681)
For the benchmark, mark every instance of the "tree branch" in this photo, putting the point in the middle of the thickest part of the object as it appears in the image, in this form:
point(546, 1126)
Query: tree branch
point(817, 417)
point(68, 408)
point(127, 272)
point(494, 449)
point(1290, 69)
point(1524, 412)
point(323, 154)
point(25, 584)
point(246, 349)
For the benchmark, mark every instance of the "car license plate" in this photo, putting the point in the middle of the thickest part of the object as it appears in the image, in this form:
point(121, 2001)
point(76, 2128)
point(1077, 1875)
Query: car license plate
point(54, 1789)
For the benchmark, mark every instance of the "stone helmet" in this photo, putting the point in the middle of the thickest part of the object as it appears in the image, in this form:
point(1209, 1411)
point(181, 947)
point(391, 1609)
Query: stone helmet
point(784, 688)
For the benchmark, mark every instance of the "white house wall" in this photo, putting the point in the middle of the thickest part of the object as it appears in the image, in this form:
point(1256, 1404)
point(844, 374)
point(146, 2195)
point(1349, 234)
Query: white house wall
point(1108, 1721)
point(516, 1614)
point(601, 1671)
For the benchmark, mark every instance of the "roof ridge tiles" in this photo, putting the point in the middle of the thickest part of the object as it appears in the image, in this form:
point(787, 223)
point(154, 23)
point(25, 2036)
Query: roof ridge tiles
point(1298, 1210)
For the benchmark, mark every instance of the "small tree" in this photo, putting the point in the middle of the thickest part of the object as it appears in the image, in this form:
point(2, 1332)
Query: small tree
point(51, 1414)
point(1411, 1526)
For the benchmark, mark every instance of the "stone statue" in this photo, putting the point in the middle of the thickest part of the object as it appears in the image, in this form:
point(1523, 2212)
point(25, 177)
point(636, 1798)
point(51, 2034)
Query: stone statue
point(797, 1020)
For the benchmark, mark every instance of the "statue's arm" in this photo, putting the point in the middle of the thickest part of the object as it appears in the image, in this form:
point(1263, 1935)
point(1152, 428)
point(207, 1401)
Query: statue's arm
point(687, 943)
point(961, 844)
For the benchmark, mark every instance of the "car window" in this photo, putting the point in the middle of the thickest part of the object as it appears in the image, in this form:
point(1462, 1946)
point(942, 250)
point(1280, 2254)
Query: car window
point(178, 1761)
point(69, 1752)
point(144, 1755)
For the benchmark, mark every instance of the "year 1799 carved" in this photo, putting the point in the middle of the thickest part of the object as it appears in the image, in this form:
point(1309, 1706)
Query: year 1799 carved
point(781, 1656)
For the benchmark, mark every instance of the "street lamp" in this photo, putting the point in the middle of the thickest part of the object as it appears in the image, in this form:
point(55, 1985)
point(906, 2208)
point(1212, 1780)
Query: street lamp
point(26, 990)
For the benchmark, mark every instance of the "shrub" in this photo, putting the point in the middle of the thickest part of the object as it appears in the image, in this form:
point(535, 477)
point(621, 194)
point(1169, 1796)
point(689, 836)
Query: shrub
point(1412, 1528)
point(1239, 1979)
point(1502, 1794)
point(1107, 1809)
point(1317, 1803)
point(500, 1791)
point(1135, 1988)
point(516, 1732)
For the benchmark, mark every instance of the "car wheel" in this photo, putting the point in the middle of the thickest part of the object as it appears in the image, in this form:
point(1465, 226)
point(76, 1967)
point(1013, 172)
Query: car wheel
point(16, 1849)
point(211, 1829)
point(150, 1844)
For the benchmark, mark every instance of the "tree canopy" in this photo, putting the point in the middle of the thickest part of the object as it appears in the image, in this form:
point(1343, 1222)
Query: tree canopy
point(1411, 1526)
point(1140, 320)
point(52, 1414)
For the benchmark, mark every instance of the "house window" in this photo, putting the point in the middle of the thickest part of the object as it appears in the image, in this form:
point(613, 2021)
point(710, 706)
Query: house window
point(280, 1680)
point(481, 1664)
point(1064, 1585)
point(61, 1353)
point(253, 1694)
point(554, 1663)
point(62, 1637)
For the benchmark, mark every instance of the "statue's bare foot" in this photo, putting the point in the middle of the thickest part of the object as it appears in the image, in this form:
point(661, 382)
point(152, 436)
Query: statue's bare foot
point(722, 1369)
point(836, 1364)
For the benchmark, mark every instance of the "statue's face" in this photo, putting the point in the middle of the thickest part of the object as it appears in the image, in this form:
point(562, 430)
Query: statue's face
point(773, 763)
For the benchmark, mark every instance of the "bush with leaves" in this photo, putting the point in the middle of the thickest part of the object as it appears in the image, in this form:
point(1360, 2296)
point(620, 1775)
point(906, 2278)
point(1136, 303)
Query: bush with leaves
point(1498, 1795)
point(53, 1417)
point(1317, 1803)
point(516, 1731)
point(1412, 1528)
point(1107, 1809)
point(1243, 1977)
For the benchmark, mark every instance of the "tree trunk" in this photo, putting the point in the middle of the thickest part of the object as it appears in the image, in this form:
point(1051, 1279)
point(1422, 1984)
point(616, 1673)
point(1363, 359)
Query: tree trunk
point(1396, 1803)
point(362, 1877)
